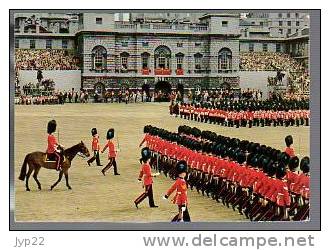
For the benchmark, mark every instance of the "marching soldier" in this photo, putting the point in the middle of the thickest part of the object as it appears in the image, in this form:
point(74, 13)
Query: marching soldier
point(95, 148)
point(289, 150)
point(180, 197)
point(112, 153)
point(146, 174)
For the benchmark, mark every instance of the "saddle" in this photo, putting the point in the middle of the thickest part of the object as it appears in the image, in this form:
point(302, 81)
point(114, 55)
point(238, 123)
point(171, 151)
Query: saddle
point(51, 159)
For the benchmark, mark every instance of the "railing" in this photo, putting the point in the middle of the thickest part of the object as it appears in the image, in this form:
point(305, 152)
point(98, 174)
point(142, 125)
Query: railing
point(161, 26)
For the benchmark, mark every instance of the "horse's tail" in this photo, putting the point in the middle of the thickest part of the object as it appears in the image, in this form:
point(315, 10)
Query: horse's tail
point(23, 169)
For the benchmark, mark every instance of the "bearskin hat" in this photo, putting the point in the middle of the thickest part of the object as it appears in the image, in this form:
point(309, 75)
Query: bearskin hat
point(271, 168)
point(110, 133)
point(181, 167)
point(145, 154)
point(288, 140)
point(196, 132)
point(249, 159)
point(94, 131)
point(293, 163)
point(304, 164)
point(240, 157)
point(146, 129)
point(223, 151)
point(280, 170)
point(51, 127)
point(285, 158)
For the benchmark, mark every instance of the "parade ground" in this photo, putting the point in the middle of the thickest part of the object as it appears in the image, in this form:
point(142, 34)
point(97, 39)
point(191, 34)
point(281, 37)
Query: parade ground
point(109, 198)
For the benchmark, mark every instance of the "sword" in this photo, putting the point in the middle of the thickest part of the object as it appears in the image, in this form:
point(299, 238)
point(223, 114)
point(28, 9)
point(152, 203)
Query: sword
point(118, 145)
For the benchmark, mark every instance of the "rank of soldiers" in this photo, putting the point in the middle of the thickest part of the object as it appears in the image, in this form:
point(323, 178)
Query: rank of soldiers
point(261, 182)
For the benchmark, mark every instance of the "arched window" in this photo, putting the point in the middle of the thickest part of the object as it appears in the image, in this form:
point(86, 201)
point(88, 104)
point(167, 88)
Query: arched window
point(145, 60)
point(225, 59)
point(124, 61)
point(99, 58)
point(162, 57)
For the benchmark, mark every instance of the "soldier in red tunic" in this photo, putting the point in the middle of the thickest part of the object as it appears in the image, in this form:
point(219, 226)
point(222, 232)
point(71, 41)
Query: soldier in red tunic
point(180, 197)
point(111, 154)
point(289, 150)
point(95, 148)
point(53, 149)
point(146, 174)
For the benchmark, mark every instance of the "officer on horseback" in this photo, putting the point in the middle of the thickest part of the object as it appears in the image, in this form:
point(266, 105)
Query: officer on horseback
point(54, 150)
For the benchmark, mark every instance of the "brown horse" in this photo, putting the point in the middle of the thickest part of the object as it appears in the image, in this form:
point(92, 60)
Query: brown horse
point(37, 160)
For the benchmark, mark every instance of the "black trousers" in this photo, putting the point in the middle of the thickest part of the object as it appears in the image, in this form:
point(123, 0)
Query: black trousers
point(112, 162)
point(147, 193)
point(96, 157)
point(182, 215)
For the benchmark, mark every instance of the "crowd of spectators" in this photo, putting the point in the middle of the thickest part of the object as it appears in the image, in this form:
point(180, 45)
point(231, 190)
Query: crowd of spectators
point(45, 59)
point(223, 94)
point(298, 75)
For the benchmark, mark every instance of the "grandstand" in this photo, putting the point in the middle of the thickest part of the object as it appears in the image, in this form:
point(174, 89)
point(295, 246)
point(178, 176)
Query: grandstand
point(166, 51)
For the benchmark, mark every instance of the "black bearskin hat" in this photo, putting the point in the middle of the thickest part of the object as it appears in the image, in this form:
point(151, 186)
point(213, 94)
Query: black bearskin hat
point(110, 133)
point(280, 171)
point(146, 129)
point(94, 131)
point(285, 158)
point(271, 168)
point(304, 164)
point(293, 163)
point(288, 140)
point(181, 167)
point(145, 154)
point(51, 127)
point(240, 157)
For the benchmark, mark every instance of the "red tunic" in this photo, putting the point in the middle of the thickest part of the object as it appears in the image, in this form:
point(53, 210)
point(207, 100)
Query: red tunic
point(95, 143)
point(180, 197)
point(290, 151)
point(52, 144)
point(145, 172)
point(112, 151)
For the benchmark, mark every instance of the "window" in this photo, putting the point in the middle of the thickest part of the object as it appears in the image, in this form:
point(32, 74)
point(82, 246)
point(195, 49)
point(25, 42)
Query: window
point(278, 47)
point(179, 45)
point(280, 31)
point(198, 61)
point(162, 57)
point(261, 24)
point(264, 47)
point(280, 15)
point(16, 44)
point(224, 23)
point(289, 23)
point(48, 44)
point(198, 44)
point(99, 58)
point(179, 61)
point(64, 44)
point(251, 47)
point(32, 44)
point(297, 15)
point(288, 15)
point(225, 59)
point(124, 61)
point(124, 44)
point(289, 31)
point(145, 44)
point(297, 23)
point(280, 23)
point(145, 60)
point(297, 30)
point(98, 20)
